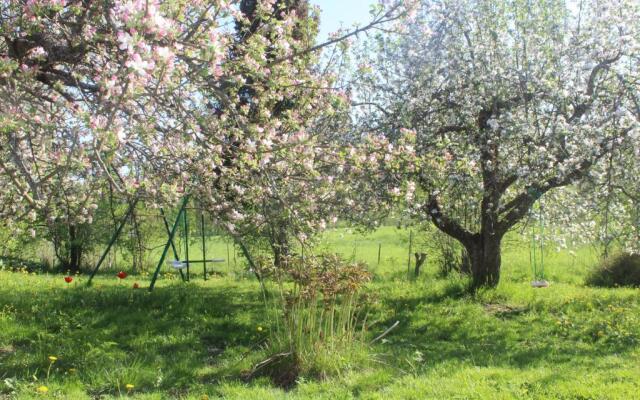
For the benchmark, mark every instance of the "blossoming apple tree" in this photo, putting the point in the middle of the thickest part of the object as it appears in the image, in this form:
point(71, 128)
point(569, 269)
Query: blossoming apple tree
point(611, 197)
point(508, 100)
point(219, 99)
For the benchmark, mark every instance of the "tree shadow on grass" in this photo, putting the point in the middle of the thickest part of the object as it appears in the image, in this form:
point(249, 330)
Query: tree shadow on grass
point(183, 335)
point(160, 339)
point(448, 325)
point(17, 262)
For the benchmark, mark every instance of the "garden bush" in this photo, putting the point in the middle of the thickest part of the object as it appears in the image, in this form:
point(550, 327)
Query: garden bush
point(620, 270)
point(318, 325)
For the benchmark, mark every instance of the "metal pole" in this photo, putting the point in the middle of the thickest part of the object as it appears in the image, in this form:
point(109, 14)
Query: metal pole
point(247, 255)
point(186, 242)
point(541, 242)
point(172, 233)
point(113, 240)
point(166, 227)
point(409, 259)
point(176, 256)
point(379, 251)
point(204, 248)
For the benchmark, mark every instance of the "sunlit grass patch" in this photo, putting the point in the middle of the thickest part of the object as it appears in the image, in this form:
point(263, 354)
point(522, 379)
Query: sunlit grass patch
point(185, 340)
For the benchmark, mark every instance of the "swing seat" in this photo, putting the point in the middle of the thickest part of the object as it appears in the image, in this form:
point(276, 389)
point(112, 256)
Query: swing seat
point(540, 284)
point(177, 264)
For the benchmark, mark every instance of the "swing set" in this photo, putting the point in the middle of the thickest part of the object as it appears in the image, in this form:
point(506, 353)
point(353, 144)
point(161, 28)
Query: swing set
point(182, 265)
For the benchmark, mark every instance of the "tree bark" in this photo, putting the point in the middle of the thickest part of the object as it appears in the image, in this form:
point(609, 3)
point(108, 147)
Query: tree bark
point(420, 259)
point(280, 246)
point(75, 250)
point(484, 254)
point(465, 262)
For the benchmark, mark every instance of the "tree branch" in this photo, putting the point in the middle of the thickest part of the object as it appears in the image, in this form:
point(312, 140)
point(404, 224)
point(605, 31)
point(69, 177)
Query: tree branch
point(446, 224)
point(386, 17)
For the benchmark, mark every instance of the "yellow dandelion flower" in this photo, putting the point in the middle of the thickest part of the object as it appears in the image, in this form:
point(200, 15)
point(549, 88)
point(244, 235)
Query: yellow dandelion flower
point(53, 358)
point(129, 386)
point(42, 389)
point(259, 329)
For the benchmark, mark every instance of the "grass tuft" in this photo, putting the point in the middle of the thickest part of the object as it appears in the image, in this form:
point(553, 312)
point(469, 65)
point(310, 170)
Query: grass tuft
point(317, 327)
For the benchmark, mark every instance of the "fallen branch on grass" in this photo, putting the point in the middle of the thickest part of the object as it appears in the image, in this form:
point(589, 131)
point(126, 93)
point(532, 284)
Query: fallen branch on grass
point(385, 333)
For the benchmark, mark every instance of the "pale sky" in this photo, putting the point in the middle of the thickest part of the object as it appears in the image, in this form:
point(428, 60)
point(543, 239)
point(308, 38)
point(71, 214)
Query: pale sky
point(347, 12)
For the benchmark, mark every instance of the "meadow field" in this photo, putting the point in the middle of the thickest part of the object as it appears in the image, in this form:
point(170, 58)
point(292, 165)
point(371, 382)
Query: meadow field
point(495, 146)
point(196, 340)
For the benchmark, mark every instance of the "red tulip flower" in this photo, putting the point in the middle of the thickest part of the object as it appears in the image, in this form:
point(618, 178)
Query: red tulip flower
point(136, 286)
point(122, 275)
point(68, 279)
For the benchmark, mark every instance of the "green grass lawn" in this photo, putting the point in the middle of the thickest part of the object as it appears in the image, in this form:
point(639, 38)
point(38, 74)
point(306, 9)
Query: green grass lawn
point(188, 340)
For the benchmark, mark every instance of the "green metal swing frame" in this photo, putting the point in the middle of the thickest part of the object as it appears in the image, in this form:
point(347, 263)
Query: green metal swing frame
point(171, 232)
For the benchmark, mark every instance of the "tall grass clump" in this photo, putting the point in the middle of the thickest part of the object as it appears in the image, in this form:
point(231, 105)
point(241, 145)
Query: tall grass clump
point(317, 318)
point(620, 270)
